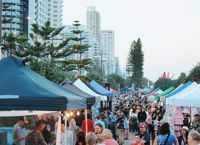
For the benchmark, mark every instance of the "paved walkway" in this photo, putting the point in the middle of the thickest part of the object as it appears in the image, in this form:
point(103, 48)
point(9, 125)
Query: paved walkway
point(131, 139)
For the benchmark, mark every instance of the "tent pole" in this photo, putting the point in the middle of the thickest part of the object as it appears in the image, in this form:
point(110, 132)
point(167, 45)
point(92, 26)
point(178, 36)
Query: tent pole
point(86, 121)
point(65, 117)
point(58, 130)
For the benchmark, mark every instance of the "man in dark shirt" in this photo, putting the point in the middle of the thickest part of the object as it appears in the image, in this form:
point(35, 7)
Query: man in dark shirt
point(35, 137)
point(142, 116)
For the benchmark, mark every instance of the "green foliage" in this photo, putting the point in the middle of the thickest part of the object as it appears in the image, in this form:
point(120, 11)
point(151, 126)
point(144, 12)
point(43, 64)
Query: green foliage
point(182, 78)
point(8, 121)
point(47, 70)
point(194, 74)
point(116, 81)
point(14, 43)
point(165, 83)
point(135, 62)
point(80, 64)
point(95, 73)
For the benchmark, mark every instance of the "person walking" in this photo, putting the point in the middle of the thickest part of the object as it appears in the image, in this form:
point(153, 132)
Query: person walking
point(165, 137)
point(183, 138)
point(18, 137)
point(35, 137)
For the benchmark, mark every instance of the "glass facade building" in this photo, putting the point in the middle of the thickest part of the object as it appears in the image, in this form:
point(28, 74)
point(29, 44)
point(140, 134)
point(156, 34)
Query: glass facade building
point(17, 12)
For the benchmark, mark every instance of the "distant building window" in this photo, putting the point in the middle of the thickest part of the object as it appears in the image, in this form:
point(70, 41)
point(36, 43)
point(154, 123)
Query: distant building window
point(55, 11)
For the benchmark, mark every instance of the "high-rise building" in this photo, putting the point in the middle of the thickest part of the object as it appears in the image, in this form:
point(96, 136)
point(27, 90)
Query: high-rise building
point(94, 25)
point(67, 33)
point(107, 51)
point(41, 11)
point(117, 66)
point(55, 12)
point(14, 16)
point(24, 13)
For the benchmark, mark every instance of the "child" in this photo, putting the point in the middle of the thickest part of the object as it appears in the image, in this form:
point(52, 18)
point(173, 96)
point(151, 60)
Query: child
point(126, 128)
point(138, 140)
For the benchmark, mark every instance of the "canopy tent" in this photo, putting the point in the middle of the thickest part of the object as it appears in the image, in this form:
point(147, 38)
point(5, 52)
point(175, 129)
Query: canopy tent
point(23, 89)
point(25, 113)
point(82, 86)
point(152, 92)
point(100, 89)
point(184, 92)
point(165, 92)
point(126, 90)
point(67, 83)
point(191, 99)
point(178, 89)
point(152, 97)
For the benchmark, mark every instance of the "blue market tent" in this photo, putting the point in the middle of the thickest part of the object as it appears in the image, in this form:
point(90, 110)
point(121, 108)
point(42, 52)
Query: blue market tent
point(178, 89)
point(23, 89)
point(126, 90)
point(100, 89)
point(67, 83)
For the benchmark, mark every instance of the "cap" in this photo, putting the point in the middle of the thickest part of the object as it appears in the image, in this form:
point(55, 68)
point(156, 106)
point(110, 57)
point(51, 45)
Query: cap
point(143, 124)
point(184, 127)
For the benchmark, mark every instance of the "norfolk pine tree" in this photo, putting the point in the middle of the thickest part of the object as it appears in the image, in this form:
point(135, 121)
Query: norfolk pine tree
point(135, 62)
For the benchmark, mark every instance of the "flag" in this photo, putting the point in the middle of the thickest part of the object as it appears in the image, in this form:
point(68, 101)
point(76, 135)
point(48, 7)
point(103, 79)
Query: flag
point(133, 86)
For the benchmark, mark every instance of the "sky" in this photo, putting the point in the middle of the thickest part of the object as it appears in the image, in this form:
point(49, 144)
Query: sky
point(169, 30)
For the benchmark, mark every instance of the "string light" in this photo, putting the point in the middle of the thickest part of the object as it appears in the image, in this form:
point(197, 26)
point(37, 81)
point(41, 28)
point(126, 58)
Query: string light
point(77, 113)
point(71, 113)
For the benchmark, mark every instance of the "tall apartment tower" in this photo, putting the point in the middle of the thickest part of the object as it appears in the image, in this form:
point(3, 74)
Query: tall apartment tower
point(55, 12)
point(42, 10)
point(94, 25)
point(107, 51)
point(17, 12)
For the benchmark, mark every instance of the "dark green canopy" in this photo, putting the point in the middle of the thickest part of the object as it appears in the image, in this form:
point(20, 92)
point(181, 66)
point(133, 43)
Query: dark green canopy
point(23, 89)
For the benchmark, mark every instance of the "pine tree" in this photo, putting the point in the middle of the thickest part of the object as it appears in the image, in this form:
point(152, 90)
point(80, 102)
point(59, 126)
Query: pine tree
point(135, 62)
point(80, 63)
point(42, 46)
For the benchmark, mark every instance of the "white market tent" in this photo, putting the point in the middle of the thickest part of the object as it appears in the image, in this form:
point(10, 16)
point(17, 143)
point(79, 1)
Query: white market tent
point(181, 93)
point(191, 99)
point(83, 87)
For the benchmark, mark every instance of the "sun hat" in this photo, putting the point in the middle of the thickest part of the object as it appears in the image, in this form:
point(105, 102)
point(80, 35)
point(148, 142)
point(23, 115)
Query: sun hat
point(185, 127)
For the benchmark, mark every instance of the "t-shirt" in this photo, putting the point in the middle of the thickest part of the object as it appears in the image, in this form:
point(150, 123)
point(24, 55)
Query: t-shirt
point(35, 138)
point(17, 132)
point(162, 138)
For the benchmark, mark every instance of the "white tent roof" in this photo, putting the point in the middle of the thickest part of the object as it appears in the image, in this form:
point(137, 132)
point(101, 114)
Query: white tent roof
point(23, 113)
point(191, 99)
point(83, 87)
point(182, 93)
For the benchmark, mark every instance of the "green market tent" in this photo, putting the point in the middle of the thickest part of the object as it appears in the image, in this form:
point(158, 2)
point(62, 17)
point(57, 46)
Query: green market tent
point(165, 92)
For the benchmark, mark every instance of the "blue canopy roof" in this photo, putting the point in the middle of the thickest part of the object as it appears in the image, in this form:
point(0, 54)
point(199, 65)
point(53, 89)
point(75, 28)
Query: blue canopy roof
point(126, 90)
point(100, 89)
point(32, 91)
point(178, 89)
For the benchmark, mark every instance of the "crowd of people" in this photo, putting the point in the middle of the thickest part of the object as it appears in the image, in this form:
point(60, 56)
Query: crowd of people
point(130, 113)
